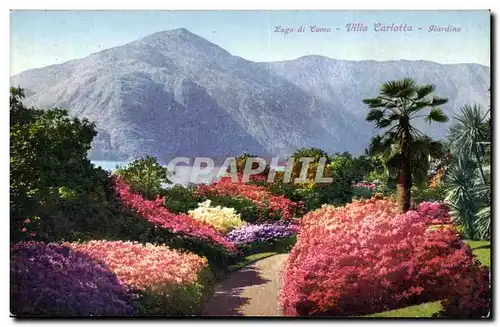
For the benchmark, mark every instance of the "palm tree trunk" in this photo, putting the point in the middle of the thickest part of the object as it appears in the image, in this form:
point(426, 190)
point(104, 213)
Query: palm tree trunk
point(404, 177)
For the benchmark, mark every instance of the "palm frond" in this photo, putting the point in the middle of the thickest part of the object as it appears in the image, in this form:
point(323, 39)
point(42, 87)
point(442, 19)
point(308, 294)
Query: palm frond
point(483, 223)
point(425, 90)
point(437, 115)
point(374, 115)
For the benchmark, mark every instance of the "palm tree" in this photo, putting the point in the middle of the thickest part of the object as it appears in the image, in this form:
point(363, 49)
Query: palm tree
point(398, 104)
point(423, 148)
point(466, 139)
point(469, 134)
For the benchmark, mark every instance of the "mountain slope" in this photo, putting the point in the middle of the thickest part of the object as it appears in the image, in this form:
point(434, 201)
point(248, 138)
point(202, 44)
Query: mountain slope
point(174, 93)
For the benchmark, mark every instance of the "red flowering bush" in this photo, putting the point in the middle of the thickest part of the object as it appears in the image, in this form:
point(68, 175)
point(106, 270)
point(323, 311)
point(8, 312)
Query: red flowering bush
point(276, 207)
point(365, 258)
point(157, 214)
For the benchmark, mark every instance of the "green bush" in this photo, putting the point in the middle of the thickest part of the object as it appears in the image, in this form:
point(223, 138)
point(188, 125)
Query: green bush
point(176, 299)
point(180, 198)
point(280, 245)
point(246, 208)
point(145, 176)
point(55, 192)
point(362, 193)
point(437, 193)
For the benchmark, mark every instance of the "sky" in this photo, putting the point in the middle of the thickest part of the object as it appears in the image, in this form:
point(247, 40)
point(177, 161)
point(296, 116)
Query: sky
point(42, 38)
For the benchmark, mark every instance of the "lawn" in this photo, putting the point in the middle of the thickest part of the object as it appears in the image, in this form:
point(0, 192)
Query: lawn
point(260, 250)
point(482, 249)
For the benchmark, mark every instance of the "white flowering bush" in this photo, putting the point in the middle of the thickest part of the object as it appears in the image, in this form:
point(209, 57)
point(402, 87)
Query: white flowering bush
point(221, 218)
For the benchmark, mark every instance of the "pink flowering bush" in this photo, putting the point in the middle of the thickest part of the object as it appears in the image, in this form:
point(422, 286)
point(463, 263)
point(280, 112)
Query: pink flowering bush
point(370, 186)
point(158, 215)
point(366, 257)
point(166, 281)
point(106, 278)
point(276, 207)
point(434, 212)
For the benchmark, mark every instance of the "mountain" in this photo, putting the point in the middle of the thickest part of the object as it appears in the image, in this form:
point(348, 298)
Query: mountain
point(174, 93)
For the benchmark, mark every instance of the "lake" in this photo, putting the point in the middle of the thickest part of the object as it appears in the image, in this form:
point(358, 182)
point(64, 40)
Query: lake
point(181, 175)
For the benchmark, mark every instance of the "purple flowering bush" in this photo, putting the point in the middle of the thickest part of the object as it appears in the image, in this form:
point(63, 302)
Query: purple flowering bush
point(260, 233)
point(51, 279)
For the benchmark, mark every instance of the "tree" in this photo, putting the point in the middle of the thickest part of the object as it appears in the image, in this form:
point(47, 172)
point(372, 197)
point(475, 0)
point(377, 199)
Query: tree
point(145, 176)
point(55, 191)
point(423, 148)
point(469, 134)
point(469, 190)
point(399, 103)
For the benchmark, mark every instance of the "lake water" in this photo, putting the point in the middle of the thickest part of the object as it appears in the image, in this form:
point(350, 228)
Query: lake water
point(181, 175)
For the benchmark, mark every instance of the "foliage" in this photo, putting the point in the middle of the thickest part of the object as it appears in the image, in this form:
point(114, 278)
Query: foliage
point(52, 280)
point(437, 193)
point(366, 257)
point(220, 218)
point(247, 209)
point(402, 145)
point(145, 176)
point(462, 180)
point(469, 186)
point(52, 183)
point(179, 198)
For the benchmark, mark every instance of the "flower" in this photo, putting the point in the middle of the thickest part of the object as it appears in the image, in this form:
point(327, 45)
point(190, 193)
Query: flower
point(221, 218)
point(260, 233)
point(27, 221)
point(278, 206)
point(24, 230)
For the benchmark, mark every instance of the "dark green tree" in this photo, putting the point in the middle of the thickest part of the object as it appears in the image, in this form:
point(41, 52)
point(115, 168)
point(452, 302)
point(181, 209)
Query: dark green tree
point(394, 110)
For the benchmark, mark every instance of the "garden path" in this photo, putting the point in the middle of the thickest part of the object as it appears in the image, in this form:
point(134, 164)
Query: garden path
point(251, 291)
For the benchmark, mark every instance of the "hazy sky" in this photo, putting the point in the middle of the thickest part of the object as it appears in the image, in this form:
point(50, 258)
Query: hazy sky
point(41, 38)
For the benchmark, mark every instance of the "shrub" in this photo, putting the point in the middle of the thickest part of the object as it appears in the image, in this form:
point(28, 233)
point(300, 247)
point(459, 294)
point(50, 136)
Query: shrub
point(270, 206)
point(246, 208)
point(145, 176)
point(366, 257)
point(154, 223)
point(260, 233)
point(221, 218)
point(157, 214)
point(166, 282)
point(180, 198)
point(51, 280)
point(437, 193)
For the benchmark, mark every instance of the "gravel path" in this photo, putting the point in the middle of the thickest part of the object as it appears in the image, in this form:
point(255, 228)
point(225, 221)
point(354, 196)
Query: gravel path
point(251, 291)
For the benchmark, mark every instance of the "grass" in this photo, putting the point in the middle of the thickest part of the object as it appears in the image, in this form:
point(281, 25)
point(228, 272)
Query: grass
point(258, 251)
point(250, 259)
point(415, 311)
point(482, 250)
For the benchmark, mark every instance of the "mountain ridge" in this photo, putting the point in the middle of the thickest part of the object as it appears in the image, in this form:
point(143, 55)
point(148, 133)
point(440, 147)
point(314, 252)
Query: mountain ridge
point(174, 93)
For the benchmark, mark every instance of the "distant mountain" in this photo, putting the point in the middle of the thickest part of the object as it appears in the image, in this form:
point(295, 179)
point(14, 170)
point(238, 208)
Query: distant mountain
point(174, 93)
